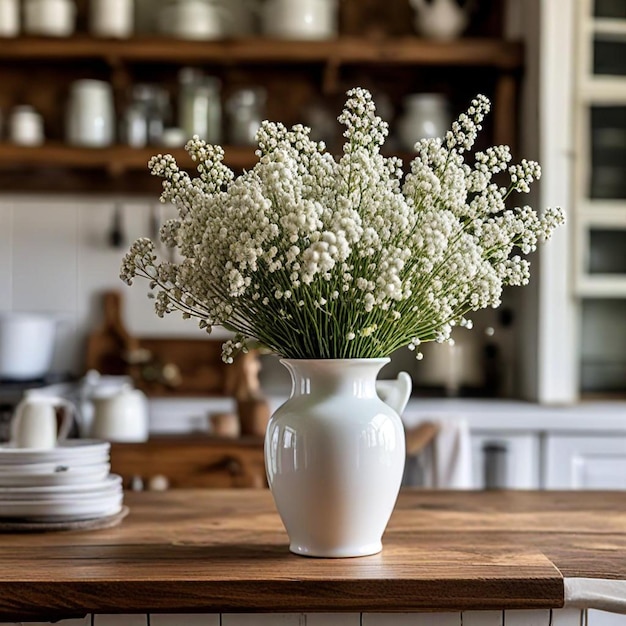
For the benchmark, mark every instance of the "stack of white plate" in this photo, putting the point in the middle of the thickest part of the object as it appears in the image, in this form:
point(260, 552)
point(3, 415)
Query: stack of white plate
point(68, 483)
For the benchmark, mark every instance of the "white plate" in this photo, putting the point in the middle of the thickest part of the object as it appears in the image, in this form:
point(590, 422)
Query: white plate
point(74, 450)
point(110, 485)
point(84, 508)
point(71, 476)
point(52, 468)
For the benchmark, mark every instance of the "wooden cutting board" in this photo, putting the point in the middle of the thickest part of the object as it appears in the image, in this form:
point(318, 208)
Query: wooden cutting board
point(159, 366)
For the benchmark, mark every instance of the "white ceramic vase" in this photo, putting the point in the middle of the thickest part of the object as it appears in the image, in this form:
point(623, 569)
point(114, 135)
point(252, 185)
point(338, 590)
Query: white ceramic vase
point(334, 454)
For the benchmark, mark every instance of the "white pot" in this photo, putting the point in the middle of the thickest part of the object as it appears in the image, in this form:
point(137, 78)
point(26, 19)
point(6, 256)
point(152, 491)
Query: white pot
point(334, 455)
point(26, 345)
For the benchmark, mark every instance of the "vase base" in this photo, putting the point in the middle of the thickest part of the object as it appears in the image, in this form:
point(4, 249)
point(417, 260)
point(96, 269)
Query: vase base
point(343, 552)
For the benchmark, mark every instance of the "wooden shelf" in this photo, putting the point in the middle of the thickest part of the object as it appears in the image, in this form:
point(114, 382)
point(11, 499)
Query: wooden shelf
point(486, 52)
point(59, 168)
point(115, 159)
point(38, 71)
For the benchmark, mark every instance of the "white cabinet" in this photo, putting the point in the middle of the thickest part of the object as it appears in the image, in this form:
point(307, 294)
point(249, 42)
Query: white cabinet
point(580, 80)
point(585, 462)
point(502, 459)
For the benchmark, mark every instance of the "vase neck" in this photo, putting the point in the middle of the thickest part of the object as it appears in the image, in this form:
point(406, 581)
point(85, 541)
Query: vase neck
point(353, 377)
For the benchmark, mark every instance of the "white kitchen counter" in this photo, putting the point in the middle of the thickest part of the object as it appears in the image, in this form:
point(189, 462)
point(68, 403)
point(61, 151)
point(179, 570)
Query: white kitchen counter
point(188, 414)
point(516, 415)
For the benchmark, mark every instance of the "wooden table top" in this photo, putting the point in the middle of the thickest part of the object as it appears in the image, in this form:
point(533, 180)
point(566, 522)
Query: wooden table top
point(221, 551)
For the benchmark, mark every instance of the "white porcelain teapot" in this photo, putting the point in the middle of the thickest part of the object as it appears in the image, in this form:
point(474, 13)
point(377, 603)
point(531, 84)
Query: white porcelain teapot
point(440, 19)
point(34, 424)
point(121, 415)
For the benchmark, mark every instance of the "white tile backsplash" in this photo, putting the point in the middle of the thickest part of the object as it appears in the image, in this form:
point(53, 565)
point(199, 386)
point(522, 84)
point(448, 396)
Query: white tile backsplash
point(45, 244)
point(55, 256)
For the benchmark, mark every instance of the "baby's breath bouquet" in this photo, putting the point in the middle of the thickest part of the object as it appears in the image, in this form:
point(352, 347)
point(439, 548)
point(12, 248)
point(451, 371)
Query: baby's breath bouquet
point(316, 257)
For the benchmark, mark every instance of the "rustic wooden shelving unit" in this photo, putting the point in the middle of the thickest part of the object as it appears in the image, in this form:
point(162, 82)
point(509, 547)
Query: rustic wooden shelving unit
point(38, 71)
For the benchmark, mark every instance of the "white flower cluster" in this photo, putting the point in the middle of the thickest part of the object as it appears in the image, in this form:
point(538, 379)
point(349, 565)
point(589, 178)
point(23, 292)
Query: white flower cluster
point(314, 257)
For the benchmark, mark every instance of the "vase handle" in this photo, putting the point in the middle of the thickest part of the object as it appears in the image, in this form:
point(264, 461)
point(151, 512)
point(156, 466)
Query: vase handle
point(395, 393)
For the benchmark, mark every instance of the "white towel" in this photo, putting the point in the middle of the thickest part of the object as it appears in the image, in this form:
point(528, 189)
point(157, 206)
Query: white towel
point(449, 462)
point(596, 593)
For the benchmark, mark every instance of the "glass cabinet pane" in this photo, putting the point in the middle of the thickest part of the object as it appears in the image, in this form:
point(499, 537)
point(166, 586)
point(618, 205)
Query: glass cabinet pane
point(603, 346)
point(608, 152)
point(609, 8)
point(609, 56)
point(607, 251)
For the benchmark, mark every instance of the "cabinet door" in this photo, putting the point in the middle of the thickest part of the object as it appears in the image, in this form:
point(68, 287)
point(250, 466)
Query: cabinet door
point(583, 462)
point(504, 460)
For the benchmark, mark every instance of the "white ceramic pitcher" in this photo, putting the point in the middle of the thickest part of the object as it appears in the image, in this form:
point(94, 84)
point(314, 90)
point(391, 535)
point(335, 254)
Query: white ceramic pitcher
point(34, 424)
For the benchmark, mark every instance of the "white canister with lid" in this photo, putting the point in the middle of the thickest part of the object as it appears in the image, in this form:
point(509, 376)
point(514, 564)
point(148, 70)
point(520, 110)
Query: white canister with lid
point(52, 18)
point(26, 126)
point(426, 116)
point(90, 114)
point(300, 19)
point(9, 18)
point(111, 18)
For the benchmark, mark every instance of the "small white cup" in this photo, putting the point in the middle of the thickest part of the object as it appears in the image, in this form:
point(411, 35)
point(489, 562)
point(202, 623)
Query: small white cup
point(34, 424)
point(111, 18)
point(52, 18)
point(9, 18)
point(26, 126)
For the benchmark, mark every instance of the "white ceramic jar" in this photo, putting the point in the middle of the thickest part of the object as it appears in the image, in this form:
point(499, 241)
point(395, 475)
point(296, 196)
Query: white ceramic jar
point(426, 115)
point(90, 114)
point(9, 18)
point(52, 18)
point(300, 19)
point(111, 18)
point(26, 126)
